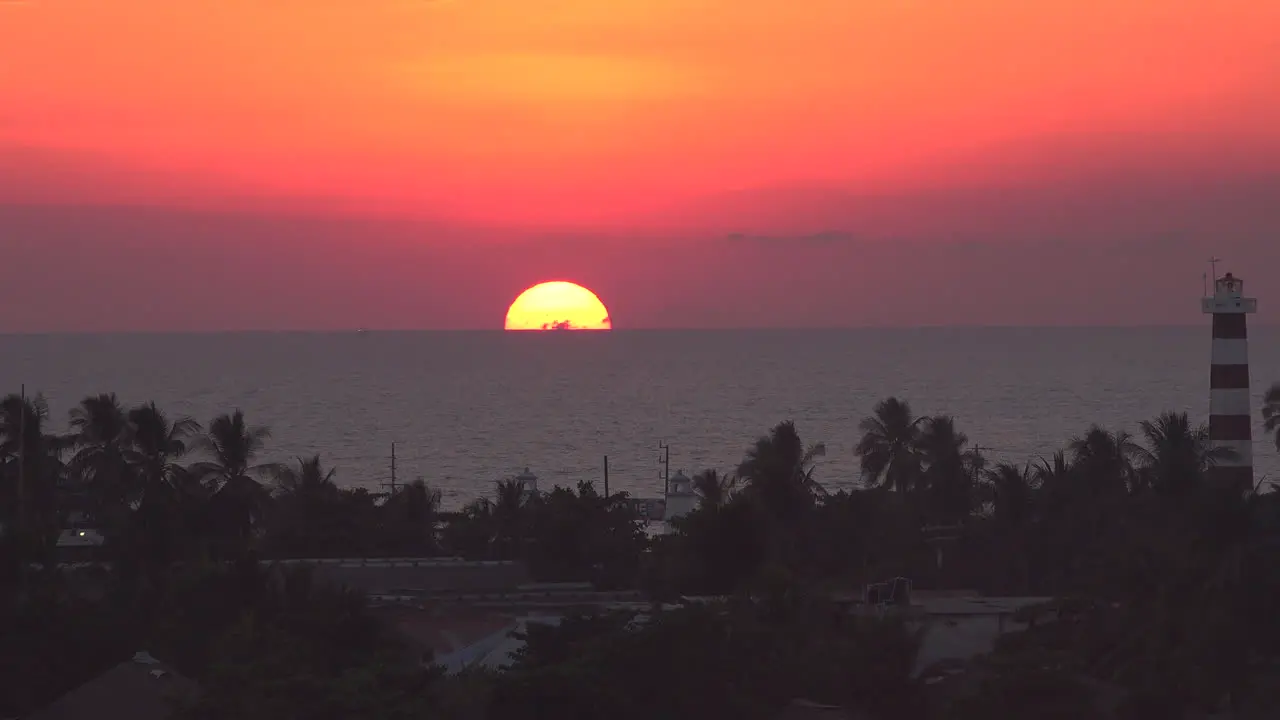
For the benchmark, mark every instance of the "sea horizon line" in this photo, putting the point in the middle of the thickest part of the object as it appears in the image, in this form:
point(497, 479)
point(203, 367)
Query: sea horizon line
point(624, 330)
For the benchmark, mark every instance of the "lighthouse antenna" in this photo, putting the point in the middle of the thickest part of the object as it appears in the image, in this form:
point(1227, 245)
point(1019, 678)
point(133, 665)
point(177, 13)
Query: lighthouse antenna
point(1213, 267)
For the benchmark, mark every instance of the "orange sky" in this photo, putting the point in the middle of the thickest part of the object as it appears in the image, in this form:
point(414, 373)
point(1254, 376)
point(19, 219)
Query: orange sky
point(562, 110)
point(417, 163)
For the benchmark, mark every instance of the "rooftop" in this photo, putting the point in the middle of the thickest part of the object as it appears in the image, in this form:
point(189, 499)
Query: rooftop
point(976, 606)
point(79, 537)
point(444, 630)
point(424, 576)
point(806, 710)
point(141, 688)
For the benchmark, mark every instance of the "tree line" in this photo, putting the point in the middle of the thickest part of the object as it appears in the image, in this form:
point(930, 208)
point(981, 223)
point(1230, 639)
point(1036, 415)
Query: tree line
point(1167, 581)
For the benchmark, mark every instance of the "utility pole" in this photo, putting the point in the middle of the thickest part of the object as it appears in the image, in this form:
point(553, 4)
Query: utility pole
point(977, 452)
point(22, 458)
point(606, 477)
point(666, 467)
point(392, 484)
point(22, 495)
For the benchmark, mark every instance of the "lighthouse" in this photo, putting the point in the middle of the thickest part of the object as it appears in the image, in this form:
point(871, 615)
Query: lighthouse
point(1230, 422)
point(682, 499)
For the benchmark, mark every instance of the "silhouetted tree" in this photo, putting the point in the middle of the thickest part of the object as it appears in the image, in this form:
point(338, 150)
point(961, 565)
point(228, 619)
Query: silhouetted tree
point(307, 479)
point(1271, 412)
point(1178, 455)
point(313, 517)
point(887, 450)
point(510, 519)
point(30, 475)
point(157, 447)
point(1011, 492)
point(713, 489)
point(168, 514)
point(409, 520)
point(1167, 583)
point(714, 549)
point(584, 536)
point(720, 660)
point(99, 468)
point(1104, 460)
point(238, 499)
point(777, 472)
point(471, 531)
point(946, 476)
point(1054, 473)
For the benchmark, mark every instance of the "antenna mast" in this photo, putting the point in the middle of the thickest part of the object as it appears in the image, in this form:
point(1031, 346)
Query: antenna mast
point(392, 484)
point(22, 498)
point(977, 451)
point(666, 467)
point(22, 458)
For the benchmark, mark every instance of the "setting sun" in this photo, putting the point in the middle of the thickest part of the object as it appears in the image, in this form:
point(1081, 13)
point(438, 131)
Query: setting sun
point(558, 306)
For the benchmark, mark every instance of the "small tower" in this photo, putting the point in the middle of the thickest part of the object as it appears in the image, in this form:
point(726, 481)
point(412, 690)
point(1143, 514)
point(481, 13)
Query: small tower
point(1230, 422)
point(529, 481)
point(681, 499)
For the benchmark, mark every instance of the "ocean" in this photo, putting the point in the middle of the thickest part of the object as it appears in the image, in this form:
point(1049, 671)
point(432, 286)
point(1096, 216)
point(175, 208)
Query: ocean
point(466, 409)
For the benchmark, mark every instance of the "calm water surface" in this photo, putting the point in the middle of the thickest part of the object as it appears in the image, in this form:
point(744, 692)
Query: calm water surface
point(469, 408)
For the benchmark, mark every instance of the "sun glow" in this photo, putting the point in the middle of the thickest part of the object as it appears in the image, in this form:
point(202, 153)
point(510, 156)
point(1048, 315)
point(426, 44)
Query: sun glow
point(558, 306)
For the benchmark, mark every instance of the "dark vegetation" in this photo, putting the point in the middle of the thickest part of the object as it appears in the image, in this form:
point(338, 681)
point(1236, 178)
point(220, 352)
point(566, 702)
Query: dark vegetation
point(1167, 584)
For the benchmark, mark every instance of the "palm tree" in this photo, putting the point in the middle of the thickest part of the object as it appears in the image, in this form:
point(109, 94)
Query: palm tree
point(510, 497)
point(713, 489)
point(167, 512)
point(1055, 478)
point(509, 516)
point(22, 434)
point(158, 445)
point(1052, 473)
point(1010, 490)
point(1177, 454)
point(472, 531)
point(939, 442)
point(778, 471)
point(946, 467)
point(306, 497)
point(307, 479)
point(422, 500)
point(234, 446)
point(238, 499)
point(887, 450)
point(412, 514)
point(1105, 459)
point(1271, 412)
point(100, 466)
point(975, 462)
point(30, 468)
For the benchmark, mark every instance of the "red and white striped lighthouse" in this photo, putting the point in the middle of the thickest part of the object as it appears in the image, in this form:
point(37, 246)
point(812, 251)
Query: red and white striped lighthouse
point(1230, 422)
